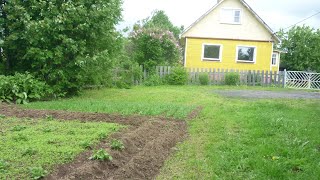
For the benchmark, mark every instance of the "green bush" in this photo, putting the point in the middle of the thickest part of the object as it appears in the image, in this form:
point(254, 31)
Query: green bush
point(232, 79)
point(37, 172)
point(125, 73)
point(101, 155)
point(204, 78)
point(117, 145)
point(178, 76)
point(153, 80)
point(22, 88)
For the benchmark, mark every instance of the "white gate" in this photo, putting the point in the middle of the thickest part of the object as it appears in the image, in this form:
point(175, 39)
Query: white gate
point(302, 80)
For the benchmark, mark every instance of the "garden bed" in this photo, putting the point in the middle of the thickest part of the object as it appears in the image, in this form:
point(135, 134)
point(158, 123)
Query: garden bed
point(148, 142)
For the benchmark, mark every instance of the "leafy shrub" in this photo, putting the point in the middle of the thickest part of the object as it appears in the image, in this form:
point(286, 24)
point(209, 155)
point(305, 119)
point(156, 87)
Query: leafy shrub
point(37, 172)
point(232, 79)
point(204, 78)
point(125, 72)
point(177, 76)
point(117, 145)
point(22, 88)
point(153, 80)
point(101, 155)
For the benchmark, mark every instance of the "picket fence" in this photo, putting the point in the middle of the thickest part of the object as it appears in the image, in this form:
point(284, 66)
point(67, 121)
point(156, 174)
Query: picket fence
point(217, 76)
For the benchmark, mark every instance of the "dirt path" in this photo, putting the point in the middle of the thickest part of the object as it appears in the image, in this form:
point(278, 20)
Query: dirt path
point(148, 142)
point(269, 94)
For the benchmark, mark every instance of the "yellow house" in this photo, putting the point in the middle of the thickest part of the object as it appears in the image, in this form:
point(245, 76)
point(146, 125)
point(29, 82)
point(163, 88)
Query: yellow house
point(230, 36)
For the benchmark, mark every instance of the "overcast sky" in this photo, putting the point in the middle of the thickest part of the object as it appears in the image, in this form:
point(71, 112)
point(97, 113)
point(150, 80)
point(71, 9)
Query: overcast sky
point(276, 13)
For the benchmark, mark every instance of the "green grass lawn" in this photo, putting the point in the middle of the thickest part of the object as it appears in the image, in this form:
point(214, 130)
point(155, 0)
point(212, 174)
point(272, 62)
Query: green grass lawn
point(27, 144)
point(232, 138)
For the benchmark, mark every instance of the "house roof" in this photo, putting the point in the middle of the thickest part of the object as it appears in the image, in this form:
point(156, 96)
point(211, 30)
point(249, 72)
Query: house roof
point(247, 6)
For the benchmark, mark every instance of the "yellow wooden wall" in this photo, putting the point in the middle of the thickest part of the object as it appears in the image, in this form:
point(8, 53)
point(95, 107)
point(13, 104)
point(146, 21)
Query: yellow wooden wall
point(194, 55)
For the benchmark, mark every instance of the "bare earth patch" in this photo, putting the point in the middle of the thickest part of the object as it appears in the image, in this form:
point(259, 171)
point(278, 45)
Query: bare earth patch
point(148, 142)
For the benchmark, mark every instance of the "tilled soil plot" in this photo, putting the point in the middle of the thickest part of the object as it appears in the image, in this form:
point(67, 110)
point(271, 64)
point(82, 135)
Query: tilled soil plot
point(148, 142)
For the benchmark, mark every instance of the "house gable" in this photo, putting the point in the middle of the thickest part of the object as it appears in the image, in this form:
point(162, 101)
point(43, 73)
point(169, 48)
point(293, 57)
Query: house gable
point(251, 26)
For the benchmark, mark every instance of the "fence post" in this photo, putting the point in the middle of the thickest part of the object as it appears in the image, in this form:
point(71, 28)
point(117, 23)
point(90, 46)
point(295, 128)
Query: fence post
point(284, 78)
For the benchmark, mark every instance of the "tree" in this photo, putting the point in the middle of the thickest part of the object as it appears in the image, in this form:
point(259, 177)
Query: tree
point(55, 40)
point(301, 45)
point(155, 41)
point(160, 20)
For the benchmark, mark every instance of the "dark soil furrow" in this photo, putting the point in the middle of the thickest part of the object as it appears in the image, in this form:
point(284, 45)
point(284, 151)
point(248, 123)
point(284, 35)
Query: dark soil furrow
point(148, 142)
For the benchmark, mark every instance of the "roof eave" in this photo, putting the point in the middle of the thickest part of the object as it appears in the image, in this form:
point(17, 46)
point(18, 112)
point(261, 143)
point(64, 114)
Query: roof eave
point(276, 38)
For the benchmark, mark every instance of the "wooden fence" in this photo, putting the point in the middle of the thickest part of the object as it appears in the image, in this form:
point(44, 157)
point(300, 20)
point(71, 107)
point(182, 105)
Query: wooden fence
point(217, 76)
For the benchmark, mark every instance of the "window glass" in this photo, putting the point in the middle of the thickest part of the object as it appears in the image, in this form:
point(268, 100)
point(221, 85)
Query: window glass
point(230, 16)
point(211, 52)
point(274, 59)
point(246, 53)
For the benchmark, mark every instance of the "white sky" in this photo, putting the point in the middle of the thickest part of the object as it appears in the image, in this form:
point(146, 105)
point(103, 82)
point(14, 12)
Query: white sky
point(276, 13)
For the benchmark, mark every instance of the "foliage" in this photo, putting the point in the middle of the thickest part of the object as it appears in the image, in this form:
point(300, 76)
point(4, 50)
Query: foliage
point(204, 78)
point(18, 128)
point(59, 41)
point(37, 172)
point(125, 72)
point(3, 166)
point(178, 76)
point(154, 46)
point(22, 88)
point(232, 79)
point(101, 155)
point(117, 145)
point(29, 152)
point(159, 19)
point(37, 152)
point(86, 144)
point(301, 45)
point(153, 80)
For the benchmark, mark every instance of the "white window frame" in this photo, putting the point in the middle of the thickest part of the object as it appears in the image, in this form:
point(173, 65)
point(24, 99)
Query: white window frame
point(254, 54)
point(277, 55)
point(232, 22)
point(212, 59)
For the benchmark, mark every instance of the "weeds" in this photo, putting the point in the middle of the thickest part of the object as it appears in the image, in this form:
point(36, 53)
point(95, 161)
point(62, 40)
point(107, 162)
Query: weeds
point(18, 128)
point(101, 155)
point(29, 152)
point(3, 166)
point(20, 137)
point(86, 144)
point(117, 145)
point(37, 172)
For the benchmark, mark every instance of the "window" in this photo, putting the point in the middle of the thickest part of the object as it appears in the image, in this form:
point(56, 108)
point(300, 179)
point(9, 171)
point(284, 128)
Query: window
point(230, 16)
point(274, 59)
point(246, 54)
point(211, 52)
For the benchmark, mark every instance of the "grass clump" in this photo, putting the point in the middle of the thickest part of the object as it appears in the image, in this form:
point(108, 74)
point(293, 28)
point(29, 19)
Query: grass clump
point(37, 172)
point(101, 155)
point(3, 166)
point(117, 145)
